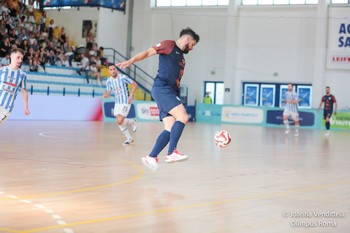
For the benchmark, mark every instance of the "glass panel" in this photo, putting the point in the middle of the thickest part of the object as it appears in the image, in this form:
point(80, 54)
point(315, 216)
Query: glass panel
point(339, 1)
point(210, 87)
point(219, 94)
point(163, 3)
point(249, 2)
point(265, 2)
point(223, 2)
point(311, 1)
point(209, 2)
point(297, 2)
point(178, 3)
point(281, 2)
point(194, 2)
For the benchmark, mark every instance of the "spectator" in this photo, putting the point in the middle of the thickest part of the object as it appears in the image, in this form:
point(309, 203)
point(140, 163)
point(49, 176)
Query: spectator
point(23, 35)
point(207, 99)
point(43, 57)
point(13, 36)
point(28, 57)
point(62, 38)
point(101, 56)
point(24, 46)
point(42, 21)
point(45, 35)
point(84, 66)
point(4, 8)
point(22, 22)
point(5, 46)
point(95, 73)
point(30, 11)
point(3, 29)
point(52, 27)
point(5, 60)
point(90, 39)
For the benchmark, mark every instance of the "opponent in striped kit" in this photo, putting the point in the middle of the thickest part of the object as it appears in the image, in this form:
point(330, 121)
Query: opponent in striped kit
point(118, 84)
point(165, 92)
point(12, 78)
point(291, 109)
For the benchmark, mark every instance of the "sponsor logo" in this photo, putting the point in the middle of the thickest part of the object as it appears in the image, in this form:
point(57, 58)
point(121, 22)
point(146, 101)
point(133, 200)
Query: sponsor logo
point(154, 111)
point(11, 84)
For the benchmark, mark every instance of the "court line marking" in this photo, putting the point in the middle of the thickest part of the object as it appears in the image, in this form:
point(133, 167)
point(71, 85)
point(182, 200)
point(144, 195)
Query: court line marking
point(40, 207)
point(92, 188)
point(191, 206)
point(46, 135)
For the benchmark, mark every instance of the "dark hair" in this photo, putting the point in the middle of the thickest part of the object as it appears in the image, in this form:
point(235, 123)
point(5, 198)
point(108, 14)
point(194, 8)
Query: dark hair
point(18, 50)
point(111, 64)
point(189, 31)
point(327, 87)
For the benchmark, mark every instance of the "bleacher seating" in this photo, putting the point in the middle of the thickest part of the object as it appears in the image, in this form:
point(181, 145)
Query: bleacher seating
point(59, 80)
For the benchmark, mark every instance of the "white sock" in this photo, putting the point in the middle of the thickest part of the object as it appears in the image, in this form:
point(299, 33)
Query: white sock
point(286, 123)
point(129, 121)
point(124, 129)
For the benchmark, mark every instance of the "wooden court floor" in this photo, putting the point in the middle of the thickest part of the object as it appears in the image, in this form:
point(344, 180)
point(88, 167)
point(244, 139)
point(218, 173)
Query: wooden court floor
point(76, 177)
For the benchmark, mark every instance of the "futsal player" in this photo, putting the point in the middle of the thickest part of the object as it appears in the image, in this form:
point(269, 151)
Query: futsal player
point(165, 92)
point(118, 84)
point(328, 100)
point(12, 78)
point(291, 110)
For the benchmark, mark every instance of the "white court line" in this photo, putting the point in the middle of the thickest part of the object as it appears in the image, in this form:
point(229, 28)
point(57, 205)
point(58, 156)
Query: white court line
point(56, 217)
point(65, 137)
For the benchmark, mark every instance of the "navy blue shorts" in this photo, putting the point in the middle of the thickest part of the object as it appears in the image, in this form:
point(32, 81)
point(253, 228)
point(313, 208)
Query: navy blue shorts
point(166, 99)
point(327, 114)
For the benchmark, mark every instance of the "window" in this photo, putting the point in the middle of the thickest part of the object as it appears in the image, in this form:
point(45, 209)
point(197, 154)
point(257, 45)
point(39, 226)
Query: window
point(273, 94)
point(280, 2)
point(216, 91)
point(189, 3)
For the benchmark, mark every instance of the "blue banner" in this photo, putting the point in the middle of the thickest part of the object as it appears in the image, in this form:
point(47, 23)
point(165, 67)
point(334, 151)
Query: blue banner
point(275, 117)
point(108, 111)
point(113, 4)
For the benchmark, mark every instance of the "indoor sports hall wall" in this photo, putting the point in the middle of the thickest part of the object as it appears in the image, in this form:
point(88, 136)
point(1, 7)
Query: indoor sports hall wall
point(239, 44)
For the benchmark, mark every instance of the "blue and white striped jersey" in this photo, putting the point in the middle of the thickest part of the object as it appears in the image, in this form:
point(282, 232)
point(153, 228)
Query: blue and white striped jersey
point(291, 106)
point(10, 82)
point(119, 86)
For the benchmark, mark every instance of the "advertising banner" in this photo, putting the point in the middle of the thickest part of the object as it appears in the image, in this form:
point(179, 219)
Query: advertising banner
point(275, 117)
point(338, 49)
point(113, 4)
point(340, 121)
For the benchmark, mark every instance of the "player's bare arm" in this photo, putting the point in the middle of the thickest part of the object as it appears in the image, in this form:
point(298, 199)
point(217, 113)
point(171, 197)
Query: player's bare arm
point(138, 57)
point(25, 101)
point(132, 93)
point(107, 94)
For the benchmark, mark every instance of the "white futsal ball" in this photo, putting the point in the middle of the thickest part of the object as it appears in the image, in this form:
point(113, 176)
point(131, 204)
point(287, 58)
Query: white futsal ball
point(222, 138)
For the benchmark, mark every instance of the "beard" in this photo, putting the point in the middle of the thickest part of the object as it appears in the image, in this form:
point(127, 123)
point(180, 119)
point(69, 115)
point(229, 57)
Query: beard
point(186, 49)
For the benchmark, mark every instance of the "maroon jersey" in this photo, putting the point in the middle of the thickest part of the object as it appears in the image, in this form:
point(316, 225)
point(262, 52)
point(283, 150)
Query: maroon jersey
point(171, 64)
point(328, 101)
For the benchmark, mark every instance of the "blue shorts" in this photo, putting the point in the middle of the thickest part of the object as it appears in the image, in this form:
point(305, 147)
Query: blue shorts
point(166, 99)
point(327, 114)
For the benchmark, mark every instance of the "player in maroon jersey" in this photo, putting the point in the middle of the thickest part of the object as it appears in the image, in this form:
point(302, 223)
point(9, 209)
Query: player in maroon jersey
point(329, 102)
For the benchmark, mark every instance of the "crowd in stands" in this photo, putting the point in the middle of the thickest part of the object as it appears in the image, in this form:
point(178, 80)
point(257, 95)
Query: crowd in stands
point(21, 27)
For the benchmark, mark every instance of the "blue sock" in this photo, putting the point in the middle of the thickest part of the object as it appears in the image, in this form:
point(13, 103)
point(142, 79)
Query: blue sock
point(161, 142)
point(175, 135)
point(328, 125)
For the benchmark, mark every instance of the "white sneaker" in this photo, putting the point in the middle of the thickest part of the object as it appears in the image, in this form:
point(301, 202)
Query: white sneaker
point(287, 131)
point(128, 142)
point(150, 162)
point(134, 126)
point(175, 156)
point(327, 133)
